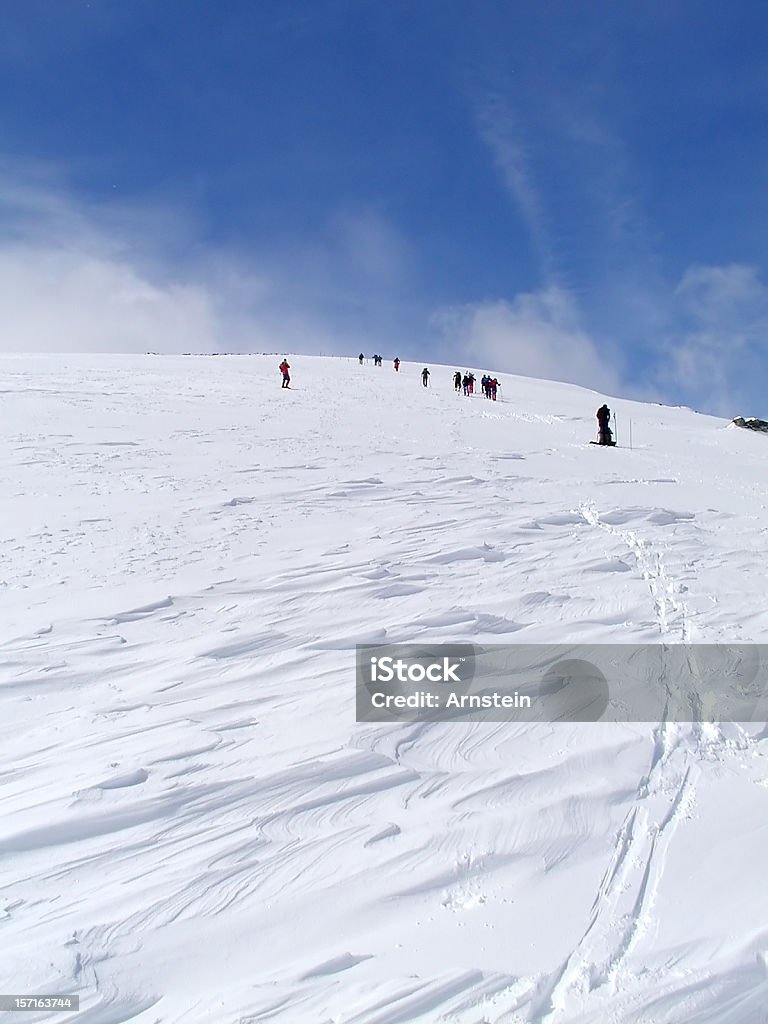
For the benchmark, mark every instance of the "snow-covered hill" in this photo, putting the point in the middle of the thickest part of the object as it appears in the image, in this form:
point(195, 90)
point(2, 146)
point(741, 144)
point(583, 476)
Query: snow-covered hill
point(194, 827)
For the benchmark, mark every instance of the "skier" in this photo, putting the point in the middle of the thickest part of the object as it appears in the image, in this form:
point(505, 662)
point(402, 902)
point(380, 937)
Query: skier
point(397, 365)
point(285, 370)
point(361, 357)
point(603, 430)
point(457, 380)
point(471, 379)
point(425, 376)
point(493, 384)
point(465, 383)
point(485, 385)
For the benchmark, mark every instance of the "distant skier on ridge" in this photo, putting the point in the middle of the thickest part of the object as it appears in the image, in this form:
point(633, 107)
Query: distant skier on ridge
point(425, 376)
point(397, 365)
point(285, 370)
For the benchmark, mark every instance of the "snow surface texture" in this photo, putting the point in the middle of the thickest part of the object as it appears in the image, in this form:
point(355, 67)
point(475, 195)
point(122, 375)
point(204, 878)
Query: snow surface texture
point(194, 827)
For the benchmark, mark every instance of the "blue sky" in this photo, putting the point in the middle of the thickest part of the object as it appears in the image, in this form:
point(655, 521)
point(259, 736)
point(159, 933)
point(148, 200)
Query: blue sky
point(562, 189)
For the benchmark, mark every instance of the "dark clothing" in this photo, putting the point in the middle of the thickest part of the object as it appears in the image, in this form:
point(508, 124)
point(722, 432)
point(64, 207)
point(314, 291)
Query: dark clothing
point(603, 430)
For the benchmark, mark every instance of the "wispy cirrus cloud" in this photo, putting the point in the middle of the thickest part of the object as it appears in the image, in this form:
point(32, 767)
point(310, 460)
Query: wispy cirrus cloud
point(502, 131)
point(608, 312)
point(565, 162)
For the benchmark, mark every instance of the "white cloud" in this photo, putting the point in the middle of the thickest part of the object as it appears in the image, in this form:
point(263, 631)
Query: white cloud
point(717, 356)
point(536, 335)
point(124, 278)
point(371, 248)
point(88, 278)
point(723, 294)
point(71, 300)
point(80, 277)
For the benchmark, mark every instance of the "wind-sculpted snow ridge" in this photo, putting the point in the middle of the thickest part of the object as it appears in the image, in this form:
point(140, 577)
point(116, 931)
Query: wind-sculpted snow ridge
point(194, 827)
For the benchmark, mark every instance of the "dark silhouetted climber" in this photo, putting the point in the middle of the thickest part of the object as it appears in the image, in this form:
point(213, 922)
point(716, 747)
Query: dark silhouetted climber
point(457, 380)
point(361, 357)
point(425, 376)
point(604, 434)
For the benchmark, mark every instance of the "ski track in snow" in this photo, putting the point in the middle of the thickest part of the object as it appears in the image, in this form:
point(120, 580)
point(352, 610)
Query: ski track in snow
point(195, 828)
point(670, 610)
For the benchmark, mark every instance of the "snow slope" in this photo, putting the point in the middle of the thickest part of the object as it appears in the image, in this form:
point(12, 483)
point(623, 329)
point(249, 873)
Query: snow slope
point(194, 828)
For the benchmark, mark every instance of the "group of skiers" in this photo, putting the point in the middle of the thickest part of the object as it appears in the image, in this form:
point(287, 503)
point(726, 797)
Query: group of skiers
point(490, 385)
point(466, 382)
point(379, 360)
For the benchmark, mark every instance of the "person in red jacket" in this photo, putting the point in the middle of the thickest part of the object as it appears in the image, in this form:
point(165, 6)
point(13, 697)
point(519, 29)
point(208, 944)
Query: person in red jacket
point(397, 364)
point(285, 370)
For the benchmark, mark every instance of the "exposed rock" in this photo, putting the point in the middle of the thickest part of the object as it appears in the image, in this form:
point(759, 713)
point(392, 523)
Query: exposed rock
point(751, 424)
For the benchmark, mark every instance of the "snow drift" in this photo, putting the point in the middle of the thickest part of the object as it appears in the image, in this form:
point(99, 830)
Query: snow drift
point(194, 827)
